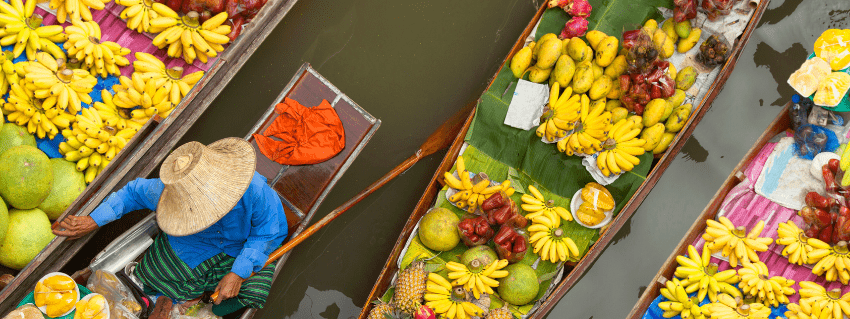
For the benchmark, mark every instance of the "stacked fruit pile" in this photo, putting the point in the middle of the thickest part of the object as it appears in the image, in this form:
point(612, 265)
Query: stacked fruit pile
point(37, 189)
point(464, 287)
point(602, 86)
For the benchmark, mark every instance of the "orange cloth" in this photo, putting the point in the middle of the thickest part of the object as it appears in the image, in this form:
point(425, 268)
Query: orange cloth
point(308, 135)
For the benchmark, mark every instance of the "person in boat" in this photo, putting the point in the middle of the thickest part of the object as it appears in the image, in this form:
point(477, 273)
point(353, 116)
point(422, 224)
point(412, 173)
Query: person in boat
point(219, 220)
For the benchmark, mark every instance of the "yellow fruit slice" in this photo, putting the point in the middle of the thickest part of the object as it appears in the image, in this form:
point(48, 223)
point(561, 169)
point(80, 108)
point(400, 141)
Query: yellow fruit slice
point(832, 89)
point(598, 194)
point(834, 46)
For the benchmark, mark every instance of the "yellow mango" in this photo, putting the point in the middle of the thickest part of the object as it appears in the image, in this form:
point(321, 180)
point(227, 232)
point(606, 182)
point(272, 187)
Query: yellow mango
point(538, 75)
point(688, 43)
point(564, 71)
point(650, 26)
point(652, 136)
point(59, 282)
point(548, 54)
point(600, 88)
point(597, 70)
point(669, 28)
point(617, 67)
point(611, 105)
point(677, 120)
point(664, 44)
point(607, 51)
point(662, 146)
point(594, 37)
point(671, 70)
point(614, 93)
point(536, 48)
point(583, 79)
point(521, 61)
point(576, 49)
point(619, 113)
point(637, 121)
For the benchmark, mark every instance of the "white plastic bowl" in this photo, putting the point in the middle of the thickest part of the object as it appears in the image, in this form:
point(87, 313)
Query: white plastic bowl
point(576, 202)
point(89, 296)
point(76, 289)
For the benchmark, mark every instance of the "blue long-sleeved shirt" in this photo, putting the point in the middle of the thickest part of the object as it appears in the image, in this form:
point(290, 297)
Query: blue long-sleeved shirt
point(249, 232)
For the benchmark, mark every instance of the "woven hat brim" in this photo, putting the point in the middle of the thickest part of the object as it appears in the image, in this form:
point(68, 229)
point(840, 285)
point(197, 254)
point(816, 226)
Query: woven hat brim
point(196, 200)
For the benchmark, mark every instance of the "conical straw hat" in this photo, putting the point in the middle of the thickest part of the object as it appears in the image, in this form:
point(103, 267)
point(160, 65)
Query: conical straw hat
point(202, 184)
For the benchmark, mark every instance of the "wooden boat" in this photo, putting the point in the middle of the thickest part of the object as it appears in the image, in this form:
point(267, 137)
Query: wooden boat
point(302, 189)
point(779, 125)
point(152, 143)
point(574, 271)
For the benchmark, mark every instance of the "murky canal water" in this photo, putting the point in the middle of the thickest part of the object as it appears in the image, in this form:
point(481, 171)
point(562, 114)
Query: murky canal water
point(413, 64)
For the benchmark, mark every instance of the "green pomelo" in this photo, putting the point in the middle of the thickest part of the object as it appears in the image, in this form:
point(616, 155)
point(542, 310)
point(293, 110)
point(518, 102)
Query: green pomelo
point(27, 176)
point(520, 286)
point(68, 184)
point(482, 256)
point(4, 219)
point(12, 135)
point(438, 229)
point(29, 232)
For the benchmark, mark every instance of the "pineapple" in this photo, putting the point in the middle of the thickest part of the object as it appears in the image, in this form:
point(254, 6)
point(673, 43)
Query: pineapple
point(410, 287)
point(384, 310)
point(501, 313)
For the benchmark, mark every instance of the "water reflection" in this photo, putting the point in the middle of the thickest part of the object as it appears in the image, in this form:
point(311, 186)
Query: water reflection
point(325, 304)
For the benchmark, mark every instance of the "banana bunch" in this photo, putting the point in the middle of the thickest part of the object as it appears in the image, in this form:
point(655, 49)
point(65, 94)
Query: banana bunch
point(562, 113)
point(735, 242)
point(76, 9)
point(536, 205)
point(549, 240)
point(728, 307)
point(113, 116)
point(816, 302)
point(469, 195)
point(187, 37)
point(620, 150)
point(756, 282)
point(698, 273)
point(833, 263)
point(60, 87)
point(92, 144)
point(477, 282)
point(171, 80)
point(98, 57)
point(23, 28)
point(138, 14)
point(679, 303)
point(439, 296)
point(141, 97)
point(9, 76)
point(588, 133)
point(27, 111)
point(796, 243)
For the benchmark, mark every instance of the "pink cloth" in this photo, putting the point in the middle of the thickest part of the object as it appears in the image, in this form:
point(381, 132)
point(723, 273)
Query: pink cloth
point(744, 207)
point(114, 29)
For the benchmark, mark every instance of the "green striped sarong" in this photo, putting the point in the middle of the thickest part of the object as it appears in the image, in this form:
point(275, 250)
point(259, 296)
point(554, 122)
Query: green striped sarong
point(161, 270)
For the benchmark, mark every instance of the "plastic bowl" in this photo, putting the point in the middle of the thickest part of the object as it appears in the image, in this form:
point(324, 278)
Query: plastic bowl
point(89, 296)
point(844, 104)
point(76, 289)
point(576, 202)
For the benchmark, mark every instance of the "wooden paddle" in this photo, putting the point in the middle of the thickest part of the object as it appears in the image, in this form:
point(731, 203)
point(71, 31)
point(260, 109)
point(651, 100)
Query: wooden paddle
point(438, 140)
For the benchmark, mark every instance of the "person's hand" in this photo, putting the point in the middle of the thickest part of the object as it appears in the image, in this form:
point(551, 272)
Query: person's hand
point(228, 287)
point(75, 226)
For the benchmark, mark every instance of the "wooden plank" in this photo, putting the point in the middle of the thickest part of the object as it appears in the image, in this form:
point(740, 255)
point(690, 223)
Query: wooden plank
point(779, 125)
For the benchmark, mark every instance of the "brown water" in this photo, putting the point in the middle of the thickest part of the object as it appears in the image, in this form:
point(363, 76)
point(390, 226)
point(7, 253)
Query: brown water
point(413, 65)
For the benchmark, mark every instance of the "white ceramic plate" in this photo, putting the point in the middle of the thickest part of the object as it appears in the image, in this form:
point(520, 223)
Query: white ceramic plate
point(76, 288)
point(576, 202)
